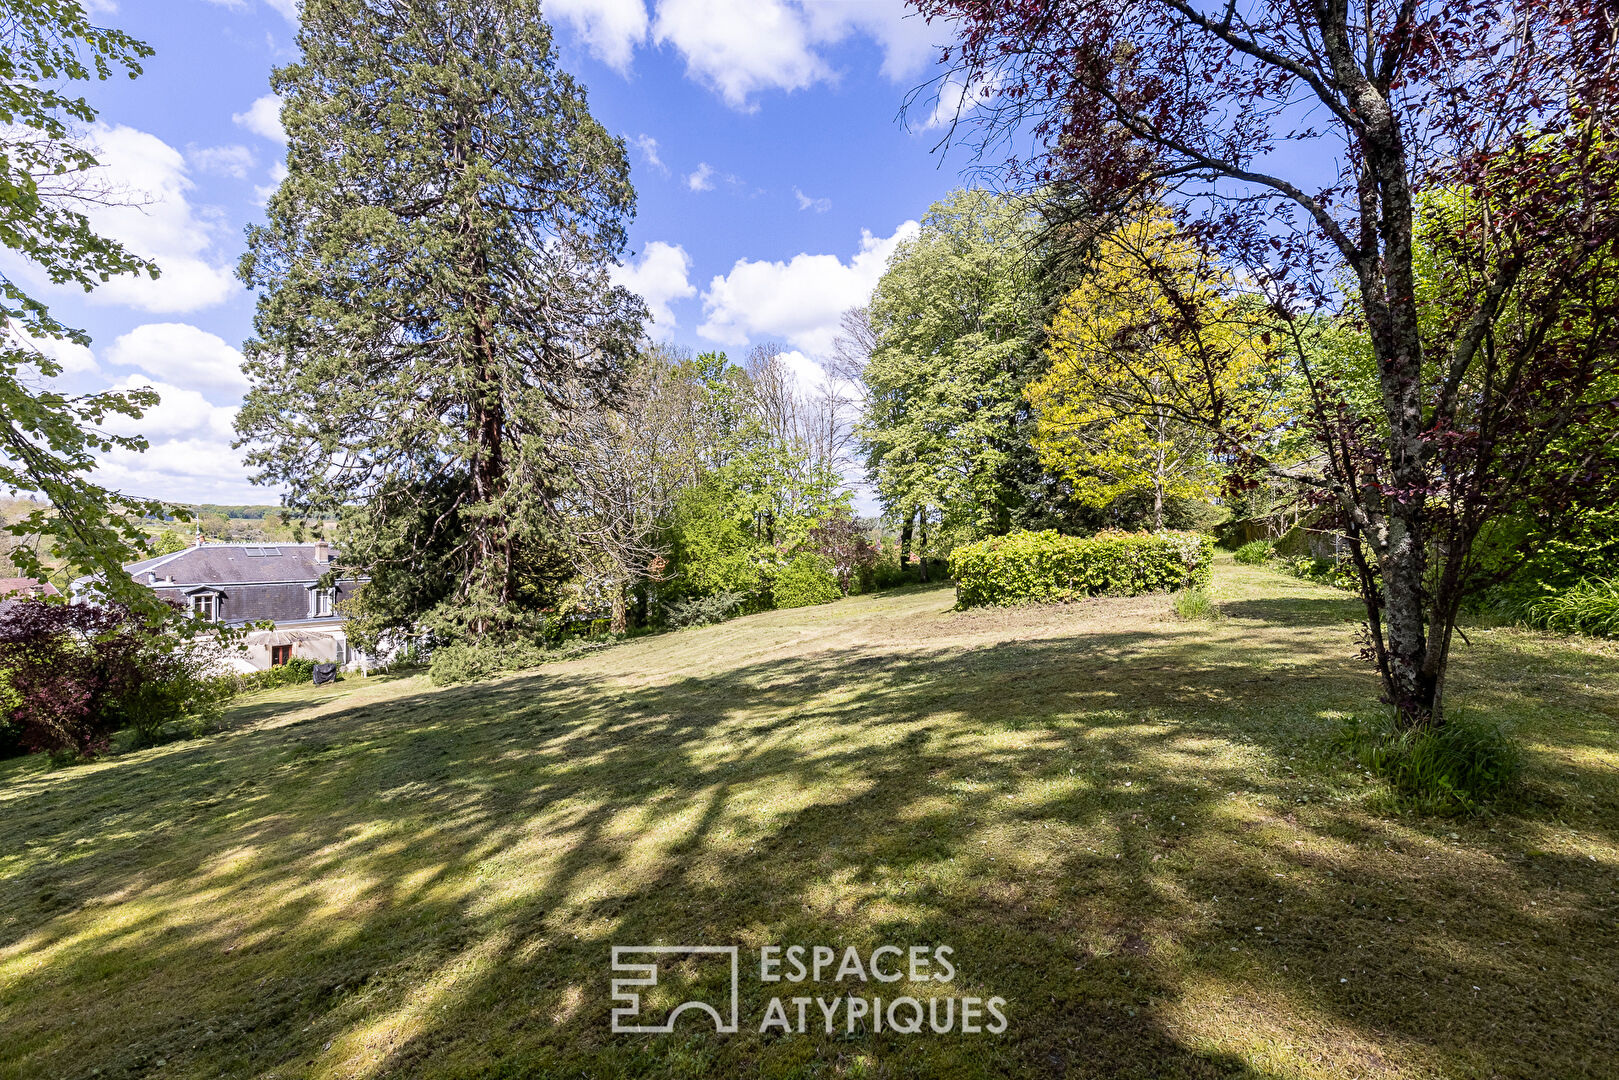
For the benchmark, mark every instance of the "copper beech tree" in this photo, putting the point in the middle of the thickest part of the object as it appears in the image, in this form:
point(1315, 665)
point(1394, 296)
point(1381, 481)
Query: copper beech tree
point(1440, 174)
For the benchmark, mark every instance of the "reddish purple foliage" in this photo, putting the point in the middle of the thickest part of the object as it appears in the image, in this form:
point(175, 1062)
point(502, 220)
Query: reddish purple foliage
point(70, 671)
point(1496, 398)
point(843, 541)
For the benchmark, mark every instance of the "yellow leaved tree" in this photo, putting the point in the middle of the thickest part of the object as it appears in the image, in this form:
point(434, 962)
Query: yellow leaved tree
point(1150, 356)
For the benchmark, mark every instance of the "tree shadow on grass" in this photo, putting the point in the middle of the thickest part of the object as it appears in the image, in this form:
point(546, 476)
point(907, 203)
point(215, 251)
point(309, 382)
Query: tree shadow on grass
point(1101, 825)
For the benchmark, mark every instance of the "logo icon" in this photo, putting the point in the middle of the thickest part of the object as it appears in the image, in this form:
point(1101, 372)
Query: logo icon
point(624, 990)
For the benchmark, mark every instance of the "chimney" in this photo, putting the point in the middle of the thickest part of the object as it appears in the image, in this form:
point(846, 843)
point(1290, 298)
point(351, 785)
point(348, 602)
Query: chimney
point(323, 551)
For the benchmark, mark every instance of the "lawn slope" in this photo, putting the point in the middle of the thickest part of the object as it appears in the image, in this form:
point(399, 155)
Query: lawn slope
point(1131, 827)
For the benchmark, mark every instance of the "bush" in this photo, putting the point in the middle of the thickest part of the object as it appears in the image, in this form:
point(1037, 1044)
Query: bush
point(1590, 607)
point(470, 661)
point(806, 580)
point(851, 556)
point(300, 669)
point(1454, 768)
point(1340, 574)
point(706, 610)
point(1045, 566)
point(1255, 552)
point(72, 675)
point(1195, 604)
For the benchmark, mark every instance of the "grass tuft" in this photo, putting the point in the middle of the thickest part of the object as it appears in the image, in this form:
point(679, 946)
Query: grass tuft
point(1456, 768)
point(1193, 604)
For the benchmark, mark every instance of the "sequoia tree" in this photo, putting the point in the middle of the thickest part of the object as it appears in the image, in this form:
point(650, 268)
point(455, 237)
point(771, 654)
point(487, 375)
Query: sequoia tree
point(1311, 146)
point(434, 296)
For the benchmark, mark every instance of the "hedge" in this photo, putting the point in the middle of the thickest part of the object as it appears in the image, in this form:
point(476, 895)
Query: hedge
point(1044, 566)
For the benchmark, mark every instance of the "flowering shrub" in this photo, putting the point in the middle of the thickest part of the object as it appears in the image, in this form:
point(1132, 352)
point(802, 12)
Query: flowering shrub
point(1044, 566)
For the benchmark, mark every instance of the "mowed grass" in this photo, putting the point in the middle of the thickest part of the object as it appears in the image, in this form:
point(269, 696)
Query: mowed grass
point(1130, 826)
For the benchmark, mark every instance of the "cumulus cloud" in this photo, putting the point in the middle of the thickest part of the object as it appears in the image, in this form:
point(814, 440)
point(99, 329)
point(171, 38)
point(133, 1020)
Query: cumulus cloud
point(75, 359)
point(180, 411)
point(649, 152)
point(263, 118)
point(737, 47)
point(798, 301)
point(181, 354)
point(149, 211)
point(806, 202)
point(957, 98)
point(660, 277)
point(610, 29)
point(234, 161)
point(702, 179)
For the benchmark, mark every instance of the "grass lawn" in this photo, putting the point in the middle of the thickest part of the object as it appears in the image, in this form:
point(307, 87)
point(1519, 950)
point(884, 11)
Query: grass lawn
point(1131, 827)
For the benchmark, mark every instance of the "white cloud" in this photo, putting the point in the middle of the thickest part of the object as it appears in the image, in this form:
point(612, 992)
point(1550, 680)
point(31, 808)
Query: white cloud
point(799, 301)
point(649, 150)
point(158, 222)
point(233, 161)
point(738, 47)
point(660, 278)
point(179, 411)
point(181, 354)
point(278, 173)
point(807, 202)
point(702, 179)
point(956, 99)
point(611, 29)
point(263, 118)
point(190, 469)
point(75, 359)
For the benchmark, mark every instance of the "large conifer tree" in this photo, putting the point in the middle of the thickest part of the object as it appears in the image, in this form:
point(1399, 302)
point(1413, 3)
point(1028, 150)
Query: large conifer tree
point(435, 295)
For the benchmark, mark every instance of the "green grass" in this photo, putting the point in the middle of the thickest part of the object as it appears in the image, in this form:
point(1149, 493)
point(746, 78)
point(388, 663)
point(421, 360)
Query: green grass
point(1135, 828)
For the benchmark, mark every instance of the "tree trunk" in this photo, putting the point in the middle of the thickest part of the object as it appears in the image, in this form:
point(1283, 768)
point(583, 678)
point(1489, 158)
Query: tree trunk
point(905, 538)
point(620, 620)
point(922, 542)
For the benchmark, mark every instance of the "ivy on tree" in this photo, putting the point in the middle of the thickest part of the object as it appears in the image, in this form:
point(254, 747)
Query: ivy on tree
point(435, 301)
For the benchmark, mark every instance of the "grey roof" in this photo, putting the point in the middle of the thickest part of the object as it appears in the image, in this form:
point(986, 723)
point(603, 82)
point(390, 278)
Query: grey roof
point(233, 564)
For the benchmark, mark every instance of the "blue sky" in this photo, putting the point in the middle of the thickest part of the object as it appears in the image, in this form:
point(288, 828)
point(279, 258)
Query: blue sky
point(773, 176)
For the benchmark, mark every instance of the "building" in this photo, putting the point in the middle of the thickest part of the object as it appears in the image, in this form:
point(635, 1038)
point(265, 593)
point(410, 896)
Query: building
point(13, 588)
point(240, 584)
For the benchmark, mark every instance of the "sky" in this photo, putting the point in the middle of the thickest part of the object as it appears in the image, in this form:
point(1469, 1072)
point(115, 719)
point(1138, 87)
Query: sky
point(773, 170)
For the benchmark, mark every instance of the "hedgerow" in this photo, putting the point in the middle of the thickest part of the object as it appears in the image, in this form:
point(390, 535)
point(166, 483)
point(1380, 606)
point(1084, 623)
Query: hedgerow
point(1044, 566)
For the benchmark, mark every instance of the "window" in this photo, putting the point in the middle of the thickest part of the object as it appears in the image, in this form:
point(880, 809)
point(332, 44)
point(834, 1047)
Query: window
point(205, 606)
point(323, 602)
point(279, 655)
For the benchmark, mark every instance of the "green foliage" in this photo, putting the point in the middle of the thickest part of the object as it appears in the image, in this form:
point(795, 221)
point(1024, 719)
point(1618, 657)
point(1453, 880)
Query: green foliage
point(706, 610)
point(1590, 607)
point(1455, 768)
point(50, 441)
point(296, 671)
point(1339, 573)
point(958, 324)
point(1255, 552)
point(712, 546)
point(1045, 566)
point(886, 572)
point(808, 579)
point(469, 661)
point(434, 299)
point(1194, 604)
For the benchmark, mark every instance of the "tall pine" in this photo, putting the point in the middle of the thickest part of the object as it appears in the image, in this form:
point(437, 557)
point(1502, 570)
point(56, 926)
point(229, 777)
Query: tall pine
point(434, 298)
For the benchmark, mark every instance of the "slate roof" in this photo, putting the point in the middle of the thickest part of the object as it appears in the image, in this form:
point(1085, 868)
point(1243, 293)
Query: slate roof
point(27, 585)
point(232, 564)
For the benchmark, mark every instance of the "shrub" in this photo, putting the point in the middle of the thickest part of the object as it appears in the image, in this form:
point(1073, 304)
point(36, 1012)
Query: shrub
point(1454, 768)
point(1255, 552)
point(706, 610)
point(1590, 607)
point(1044, 566)
point(806, 580)
point(1340, 574)
point(72, 675)
point(469, 661)
point(843, 543)
point(1195, 604)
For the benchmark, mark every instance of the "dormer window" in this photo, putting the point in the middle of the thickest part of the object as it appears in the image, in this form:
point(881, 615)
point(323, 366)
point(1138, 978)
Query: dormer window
point(205, 606)
point(323, 602)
